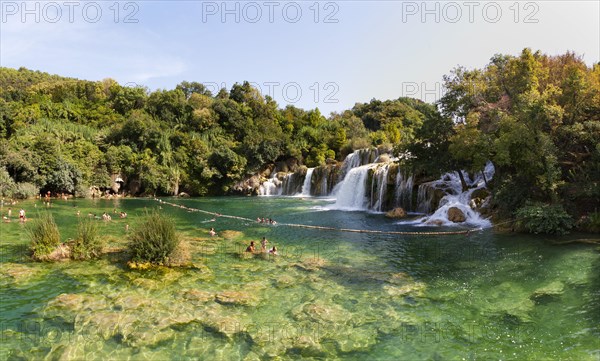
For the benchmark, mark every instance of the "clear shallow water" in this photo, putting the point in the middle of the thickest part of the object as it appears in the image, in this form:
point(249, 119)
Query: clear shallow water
point(329, 295)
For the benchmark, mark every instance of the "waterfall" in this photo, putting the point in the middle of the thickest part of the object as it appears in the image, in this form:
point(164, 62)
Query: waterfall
point(356, 159)
point(351, 194)
point(425, 197)
point(307, 179)
point(454, 197)
point(290, 184)
point(379, 187)
point(270, 187)
point(404, 189)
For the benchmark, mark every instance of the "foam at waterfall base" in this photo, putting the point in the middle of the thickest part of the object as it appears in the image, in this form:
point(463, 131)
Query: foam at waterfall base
point(440, 217)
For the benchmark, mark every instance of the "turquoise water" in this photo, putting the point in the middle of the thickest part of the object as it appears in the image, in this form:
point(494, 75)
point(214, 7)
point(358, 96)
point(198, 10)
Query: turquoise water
point(328, 295)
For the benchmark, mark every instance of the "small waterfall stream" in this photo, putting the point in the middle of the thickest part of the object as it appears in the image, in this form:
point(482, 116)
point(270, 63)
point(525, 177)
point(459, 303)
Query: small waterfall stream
point(307, 182)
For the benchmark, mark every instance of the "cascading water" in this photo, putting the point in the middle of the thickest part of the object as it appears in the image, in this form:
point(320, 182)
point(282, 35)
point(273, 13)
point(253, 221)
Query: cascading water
point(271, 187)
point(385, 189)
point(352, 190)
point(307, 179)
point(454, 197)
point(379, 187)
point(404, 189)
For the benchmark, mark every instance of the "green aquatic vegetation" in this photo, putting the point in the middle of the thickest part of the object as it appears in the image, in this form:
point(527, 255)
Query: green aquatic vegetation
point(44, 236)
point(154, 240)
point(88, 244)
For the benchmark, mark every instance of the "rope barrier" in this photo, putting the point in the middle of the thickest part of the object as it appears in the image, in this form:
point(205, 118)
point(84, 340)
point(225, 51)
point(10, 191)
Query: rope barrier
point(324, 228)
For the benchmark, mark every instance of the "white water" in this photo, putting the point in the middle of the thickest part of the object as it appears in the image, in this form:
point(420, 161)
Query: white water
point(306, 185)
point(351, 194)
point(351, 191)
point(270, 187)
point(455, 197)
point(380, 181)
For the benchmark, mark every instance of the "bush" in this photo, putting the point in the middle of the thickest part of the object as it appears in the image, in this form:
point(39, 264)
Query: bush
point(543, 218)
point(7, 185)
point(26, 190)
point(154, 240)
point(44, 236)
point(591, 223)
point(88, 243)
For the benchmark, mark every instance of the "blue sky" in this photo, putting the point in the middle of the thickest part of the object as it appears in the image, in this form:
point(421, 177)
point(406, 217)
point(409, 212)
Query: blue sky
point(326, 54)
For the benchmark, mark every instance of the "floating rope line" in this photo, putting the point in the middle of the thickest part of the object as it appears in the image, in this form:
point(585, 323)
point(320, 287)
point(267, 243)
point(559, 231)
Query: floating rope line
point(323, 228)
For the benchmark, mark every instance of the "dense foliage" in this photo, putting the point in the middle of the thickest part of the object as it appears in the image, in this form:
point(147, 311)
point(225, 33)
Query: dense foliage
point(65, 135)
point(536, 117)
point(154, 240)
point(543, 218)
point(44, 236)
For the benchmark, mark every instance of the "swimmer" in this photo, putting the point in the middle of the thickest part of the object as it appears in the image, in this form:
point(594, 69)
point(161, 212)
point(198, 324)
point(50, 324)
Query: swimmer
point(273, 251)
point(250, 247)
point(212, 232)
point(263, 244)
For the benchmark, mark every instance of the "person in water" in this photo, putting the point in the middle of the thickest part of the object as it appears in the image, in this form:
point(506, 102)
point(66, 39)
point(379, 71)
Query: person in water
point(263, 244)
point(273, 251)
point(212, 232)
point(250, 247)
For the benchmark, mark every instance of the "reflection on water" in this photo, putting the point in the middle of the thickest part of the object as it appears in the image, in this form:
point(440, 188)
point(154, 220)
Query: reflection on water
point(328, 295)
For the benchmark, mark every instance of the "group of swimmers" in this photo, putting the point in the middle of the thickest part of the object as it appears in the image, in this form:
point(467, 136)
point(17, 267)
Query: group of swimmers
point(105, 215)
point(22, 217)
point(265, 220)
point(263, 247)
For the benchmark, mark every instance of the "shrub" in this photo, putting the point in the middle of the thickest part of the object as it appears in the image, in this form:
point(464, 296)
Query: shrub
point(591, 223)
point(543, 218)
point(154, 240)
point(7, 185)
point(26, 190)
point(88, 243)
point(44, 236)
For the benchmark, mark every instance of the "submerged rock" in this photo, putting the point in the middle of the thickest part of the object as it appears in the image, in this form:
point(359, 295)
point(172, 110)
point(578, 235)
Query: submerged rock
point(360, 339)
point(216, 320)
point(284, 281)
point(239, 298)
point(73, 302)
point(18, 273)
point(321, 313)
point(552, 289)
point(310, 264)
point(306, 346)
point(509, 299)
point(416, 289)
point(198, 296)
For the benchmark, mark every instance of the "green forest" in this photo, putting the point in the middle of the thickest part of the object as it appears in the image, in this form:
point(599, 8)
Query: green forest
point(535, 116)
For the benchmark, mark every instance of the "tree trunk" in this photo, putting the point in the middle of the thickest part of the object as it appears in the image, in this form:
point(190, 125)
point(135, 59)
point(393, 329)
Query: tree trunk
point(462, 181)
